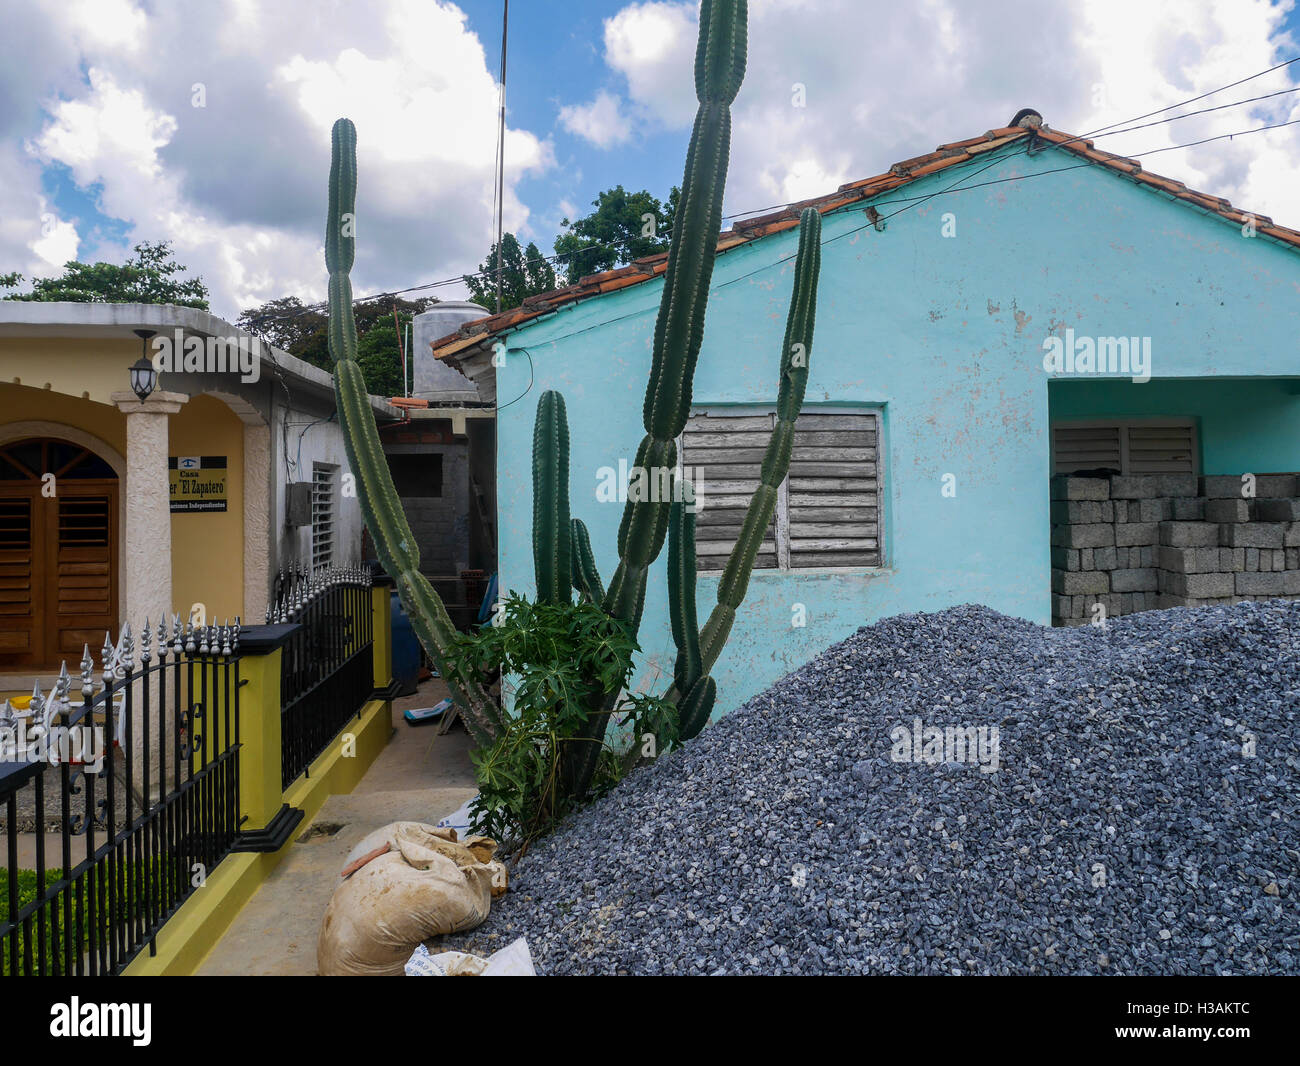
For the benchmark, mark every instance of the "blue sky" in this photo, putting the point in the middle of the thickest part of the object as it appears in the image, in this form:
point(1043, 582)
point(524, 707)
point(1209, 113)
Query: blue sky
point(554, 61)
point(102, 143)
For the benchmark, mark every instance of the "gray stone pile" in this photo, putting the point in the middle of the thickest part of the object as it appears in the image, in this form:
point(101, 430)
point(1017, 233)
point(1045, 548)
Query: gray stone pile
point(1143, 816)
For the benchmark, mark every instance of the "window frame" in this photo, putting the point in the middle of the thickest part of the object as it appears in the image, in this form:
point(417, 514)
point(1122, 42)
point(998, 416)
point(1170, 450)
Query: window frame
point(330, 472)
point(781, 514)
point(1124, 425)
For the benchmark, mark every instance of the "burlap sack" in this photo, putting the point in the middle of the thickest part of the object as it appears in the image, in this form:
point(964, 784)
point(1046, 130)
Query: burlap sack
point(428, 884)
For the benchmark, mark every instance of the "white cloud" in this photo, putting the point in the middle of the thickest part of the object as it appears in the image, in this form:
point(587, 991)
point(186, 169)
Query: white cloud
point(110, 136)
point(884, 83)
point(653, 46)
point(58, 241)
point(239, 184)
point(107, 25)
point(602, 121)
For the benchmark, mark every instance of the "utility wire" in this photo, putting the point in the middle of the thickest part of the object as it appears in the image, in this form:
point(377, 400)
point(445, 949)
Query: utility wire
point(501, 151)
point(1196, 99)
point(1106, 131)
point(918, 200)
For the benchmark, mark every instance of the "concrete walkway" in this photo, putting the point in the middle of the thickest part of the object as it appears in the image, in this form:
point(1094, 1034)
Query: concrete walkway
point(418, 777)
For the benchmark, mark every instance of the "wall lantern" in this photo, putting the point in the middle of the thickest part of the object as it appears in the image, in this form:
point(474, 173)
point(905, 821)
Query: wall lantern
point(143, 375)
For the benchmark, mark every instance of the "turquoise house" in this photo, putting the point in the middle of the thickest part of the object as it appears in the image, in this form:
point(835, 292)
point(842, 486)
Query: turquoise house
point(971, 311)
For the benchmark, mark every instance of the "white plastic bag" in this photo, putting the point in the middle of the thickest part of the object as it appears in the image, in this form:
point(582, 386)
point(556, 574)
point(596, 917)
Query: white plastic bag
point(513, 960)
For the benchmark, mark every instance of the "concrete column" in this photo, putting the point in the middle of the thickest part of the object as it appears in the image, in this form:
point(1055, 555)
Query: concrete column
point(146, 583)
point(258, 529)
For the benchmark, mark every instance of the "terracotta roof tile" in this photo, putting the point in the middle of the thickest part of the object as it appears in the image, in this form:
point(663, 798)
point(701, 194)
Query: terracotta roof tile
point(938, 164)
point(964, 144)
point(743, 231)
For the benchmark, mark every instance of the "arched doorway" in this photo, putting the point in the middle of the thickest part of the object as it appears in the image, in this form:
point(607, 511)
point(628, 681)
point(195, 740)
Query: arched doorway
point(58, 551)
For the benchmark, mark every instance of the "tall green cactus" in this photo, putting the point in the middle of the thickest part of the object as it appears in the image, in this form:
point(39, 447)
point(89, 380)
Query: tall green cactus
point(697, 652)
point(561, 545)
point(586, 578)
point(795, 356)
point(552, 558)
point(679, 329)
point(380, 505)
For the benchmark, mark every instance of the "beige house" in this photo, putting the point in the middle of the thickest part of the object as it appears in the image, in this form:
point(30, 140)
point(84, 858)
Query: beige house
point(115, 508)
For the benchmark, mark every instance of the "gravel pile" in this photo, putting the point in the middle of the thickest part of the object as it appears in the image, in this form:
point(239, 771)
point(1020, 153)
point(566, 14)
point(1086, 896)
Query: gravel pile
point(1143, 818)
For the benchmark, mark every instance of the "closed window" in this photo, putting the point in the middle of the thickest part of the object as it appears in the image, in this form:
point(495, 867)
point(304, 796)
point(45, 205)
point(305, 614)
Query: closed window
point(322, 515)
point(828, 508)
point(1145, 446)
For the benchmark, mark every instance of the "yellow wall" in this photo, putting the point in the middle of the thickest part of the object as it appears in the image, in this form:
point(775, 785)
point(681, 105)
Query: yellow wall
point(208, 547)
point(89, 368)
point(18, 403)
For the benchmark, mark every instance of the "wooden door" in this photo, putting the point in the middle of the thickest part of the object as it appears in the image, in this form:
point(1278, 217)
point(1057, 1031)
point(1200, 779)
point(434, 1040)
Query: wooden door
point(58, 553)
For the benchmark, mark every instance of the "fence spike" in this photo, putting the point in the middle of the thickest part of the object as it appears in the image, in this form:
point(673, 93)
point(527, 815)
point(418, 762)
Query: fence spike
point(190, 646)
point(107, 654)
point(145, 651)
point(87, 671)
point(125, 647)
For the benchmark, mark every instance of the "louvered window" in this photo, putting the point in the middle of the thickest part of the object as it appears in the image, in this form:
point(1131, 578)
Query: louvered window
point(322, 515)
point(828, 509)
point(1149, 446)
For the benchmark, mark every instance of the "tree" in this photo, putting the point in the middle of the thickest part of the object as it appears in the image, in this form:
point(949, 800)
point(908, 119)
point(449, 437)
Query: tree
point(624, 226)
point(151, 276)
point(302, 331)
point(523, 274)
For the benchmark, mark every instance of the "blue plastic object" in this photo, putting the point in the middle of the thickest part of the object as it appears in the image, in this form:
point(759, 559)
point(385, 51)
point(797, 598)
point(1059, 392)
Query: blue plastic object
point(406, 651)
point(489, 598)
point(424, 715)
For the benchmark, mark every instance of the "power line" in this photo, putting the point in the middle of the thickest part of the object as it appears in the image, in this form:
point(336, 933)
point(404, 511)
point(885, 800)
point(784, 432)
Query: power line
point(499, 194)
point(955, 188)
point(1196, 99)
point(610, 246)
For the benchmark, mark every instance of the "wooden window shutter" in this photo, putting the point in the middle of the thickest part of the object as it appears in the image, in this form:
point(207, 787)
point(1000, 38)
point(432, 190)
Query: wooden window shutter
point(724, 454)
point(1095, 447)
point(1161, 449)
point(18, 609)
point(828, 508)
point(1138, 447)
point(834, 490)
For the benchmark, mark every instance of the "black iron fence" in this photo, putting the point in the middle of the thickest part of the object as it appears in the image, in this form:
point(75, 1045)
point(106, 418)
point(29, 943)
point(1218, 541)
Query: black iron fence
point(327, 672)
point(116, 805)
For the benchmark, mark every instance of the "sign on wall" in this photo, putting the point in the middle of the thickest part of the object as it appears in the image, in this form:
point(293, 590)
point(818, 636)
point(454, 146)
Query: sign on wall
point(197, 482)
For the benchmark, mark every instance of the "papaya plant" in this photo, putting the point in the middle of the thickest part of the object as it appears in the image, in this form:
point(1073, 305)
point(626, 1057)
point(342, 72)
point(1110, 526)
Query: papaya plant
point(562, 552)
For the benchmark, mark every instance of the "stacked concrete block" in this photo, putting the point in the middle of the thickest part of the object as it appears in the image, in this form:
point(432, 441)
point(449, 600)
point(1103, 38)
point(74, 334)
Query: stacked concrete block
point(1134, 543)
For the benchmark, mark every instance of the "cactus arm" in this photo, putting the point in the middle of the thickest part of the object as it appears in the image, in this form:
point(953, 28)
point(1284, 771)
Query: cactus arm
point(795, 357)
point(380, 505)
point(586, 578)
point(681, 596)
point(696, 706)
point(679, 328)
point(552, 554)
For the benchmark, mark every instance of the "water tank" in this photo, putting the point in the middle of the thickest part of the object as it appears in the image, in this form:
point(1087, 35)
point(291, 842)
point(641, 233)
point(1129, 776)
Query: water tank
point(434, 379)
